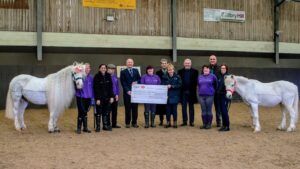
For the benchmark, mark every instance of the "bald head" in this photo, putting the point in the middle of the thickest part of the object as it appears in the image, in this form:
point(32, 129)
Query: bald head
point(187, 63)
point(129, 63)
point(213, 59)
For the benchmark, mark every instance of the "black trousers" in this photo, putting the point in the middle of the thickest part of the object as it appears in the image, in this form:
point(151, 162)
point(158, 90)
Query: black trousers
point(186, 101)
point(83, 106)
point(114, 113)
point(104, 110)
point(161, 110)
point(131, 110)
point(217, 109)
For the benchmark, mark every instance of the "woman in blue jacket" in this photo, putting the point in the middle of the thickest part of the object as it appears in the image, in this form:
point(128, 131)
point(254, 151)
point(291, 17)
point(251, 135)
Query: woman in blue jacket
point(174, 84)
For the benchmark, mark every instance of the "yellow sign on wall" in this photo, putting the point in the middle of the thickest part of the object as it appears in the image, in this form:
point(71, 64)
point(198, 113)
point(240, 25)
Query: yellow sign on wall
point(117, 4)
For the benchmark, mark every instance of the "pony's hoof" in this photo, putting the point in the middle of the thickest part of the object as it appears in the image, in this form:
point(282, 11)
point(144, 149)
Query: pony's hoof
point(256, 130)
point(280, 128)
point(50, 131)
point(19, 129)
point(291, 129)
point(24, 127)
point(57, 131)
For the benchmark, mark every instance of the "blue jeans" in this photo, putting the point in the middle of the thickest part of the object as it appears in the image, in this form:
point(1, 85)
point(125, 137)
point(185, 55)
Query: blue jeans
point(206, 103)
point(186, 101)
point(171, 110)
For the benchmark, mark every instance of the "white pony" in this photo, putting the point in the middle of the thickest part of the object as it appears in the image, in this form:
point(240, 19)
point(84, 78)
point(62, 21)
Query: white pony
point(56, 90)
point(255, 93)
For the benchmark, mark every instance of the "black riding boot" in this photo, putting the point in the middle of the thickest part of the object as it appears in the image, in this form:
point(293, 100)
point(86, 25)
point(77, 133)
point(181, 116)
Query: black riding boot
point(161, 118)
point(153, 120)
point(146, 114)
point(175, 124)
point(209, 121)
point(168, 124)
point(98, 122)
point(79, 123)
point(105, 122)
point(204, 121)
point(85, 125)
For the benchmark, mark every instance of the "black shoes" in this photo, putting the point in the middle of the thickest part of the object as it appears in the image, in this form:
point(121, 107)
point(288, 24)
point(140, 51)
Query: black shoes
point(116, 126)
point(98, 121)
point(168, 125)
point(146, 115)
point(205, 126)
point(183, 124)
point(79, 123)
point(175, 124)
point(135, 126)
point(224, 128)
point(192, 124)
point(85, 128)
point(127, 126)
point(161, 123)
point(153, 120)
point(107, 128)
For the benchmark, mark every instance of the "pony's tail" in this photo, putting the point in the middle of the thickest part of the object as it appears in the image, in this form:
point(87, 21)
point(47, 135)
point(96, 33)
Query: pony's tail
point(9, 105)
point(296, 104)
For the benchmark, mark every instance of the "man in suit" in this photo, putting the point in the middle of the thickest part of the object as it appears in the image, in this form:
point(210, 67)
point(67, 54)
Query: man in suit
point(188, 95)
point(129, 77)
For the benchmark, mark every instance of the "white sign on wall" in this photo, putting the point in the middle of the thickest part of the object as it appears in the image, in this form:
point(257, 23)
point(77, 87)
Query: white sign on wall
point(217, 15)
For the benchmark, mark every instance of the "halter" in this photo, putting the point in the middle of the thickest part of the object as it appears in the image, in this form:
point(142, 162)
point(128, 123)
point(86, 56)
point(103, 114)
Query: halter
point(232, 90)
point(76, 78)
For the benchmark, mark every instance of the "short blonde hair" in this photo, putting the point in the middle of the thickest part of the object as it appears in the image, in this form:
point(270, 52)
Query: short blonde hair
point(170, 66)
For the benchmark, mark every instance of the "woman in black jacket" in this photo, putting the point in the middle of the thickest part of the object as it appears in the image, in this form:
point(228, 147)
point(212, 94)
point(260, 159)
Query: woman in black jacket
point(221, 98)
point(103, 93)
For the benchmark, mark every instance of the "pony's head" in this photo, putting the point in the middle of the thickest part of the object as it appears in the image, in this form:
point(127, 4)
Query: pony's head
point(230, 83)
point(78, 74)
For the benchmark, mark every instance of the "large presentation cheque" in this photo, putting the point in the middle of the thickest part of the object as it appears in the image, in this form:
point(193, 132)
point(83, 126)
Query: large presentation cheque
point(152, 94)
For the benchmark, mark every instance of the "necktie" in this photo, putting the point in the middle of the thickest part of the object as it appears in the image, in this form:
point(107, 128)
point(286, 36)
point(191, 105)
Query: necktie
point(131, 72)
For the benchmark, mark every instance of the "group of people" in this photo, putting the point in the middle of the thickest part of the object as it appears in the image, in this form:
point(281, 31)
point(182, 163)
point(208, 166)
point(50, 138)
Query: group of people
point(185, 87)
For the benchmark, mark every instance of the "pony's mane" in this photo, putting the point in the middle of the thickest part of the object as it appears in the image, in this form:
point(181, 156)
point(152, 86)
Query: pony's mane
point(60, 90)
point(244, 79)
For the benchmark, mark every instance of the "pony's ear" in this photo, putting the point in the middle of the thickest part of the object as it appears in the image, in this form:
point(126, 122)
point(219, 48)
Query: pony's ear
point(75, 63)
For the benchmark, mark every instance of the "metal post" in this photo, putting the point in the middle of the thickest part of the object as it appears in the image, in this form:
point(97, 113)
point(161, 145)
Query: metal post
point(39, 28)
point(276, 29)
point(174, 30)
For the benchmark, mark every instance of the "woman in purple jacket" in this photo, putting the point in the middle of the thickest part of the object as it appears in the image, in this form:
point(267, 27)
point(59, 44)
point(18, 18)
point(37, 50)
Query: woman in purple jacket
point(207, 84)
point(83, 100)
point(150, 79)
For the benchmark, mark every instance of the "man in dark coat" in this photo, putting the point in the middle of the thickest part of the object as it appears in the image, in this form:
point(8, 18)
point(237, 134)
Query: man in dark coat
point(214, 69)
point(188, 95)
point(161, 109)
point(129, 77)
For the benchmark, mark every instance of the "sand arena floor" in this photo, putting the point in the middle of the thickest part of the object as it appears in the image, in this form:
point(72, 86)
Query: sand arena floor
point(184, 147)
